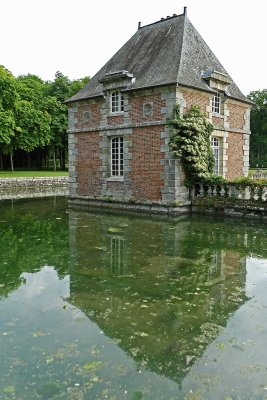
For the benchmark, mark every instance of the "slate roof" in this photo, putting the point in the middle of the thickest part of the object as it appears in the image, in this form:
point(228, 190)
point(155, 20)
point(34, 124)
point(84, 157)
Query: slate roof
point(168, 51)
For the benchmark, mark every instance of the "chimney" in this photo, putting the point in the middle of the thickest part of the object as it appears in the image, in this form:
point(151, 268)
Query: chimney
point(139, 25)
point(185, 10)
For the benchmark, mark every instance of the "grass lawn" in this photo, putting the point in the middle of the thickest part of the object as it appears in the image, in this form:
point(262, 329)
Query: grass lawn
point(31, 173)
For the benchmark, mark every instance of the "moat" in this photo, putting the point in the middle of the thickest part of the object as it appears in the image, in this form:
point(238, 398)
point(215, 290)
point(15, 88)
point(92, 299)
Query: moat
point(106, 306)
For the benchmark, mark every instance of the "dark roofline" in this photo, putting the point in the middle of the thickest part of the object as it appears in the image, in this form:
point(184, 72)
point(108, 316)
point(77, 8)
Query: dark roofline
point(241, 100)
point(161, 85)
point(164, 19)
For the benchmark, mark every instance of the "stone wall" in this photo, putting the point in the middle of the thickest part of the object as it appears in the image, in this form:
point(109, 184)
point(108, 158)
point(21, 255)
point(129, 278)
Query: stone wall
point(13, 188)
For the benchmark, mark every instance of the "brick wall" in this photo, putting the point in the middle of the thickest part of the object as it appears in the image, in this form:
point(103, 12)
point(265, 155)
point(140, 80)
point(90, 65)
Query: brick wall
point(88, 164)
point(195, 97)
point(235, 155)
point(236, 117)
point(94, 111)
point(146, 168)
point(217, 122)
point(115, 120)
point(137, 108)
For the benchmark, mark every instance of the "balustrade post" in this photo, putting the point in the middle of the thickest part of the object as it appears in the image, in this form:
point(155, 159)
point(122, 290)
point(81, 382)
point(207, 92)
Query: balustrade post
point(209, 191)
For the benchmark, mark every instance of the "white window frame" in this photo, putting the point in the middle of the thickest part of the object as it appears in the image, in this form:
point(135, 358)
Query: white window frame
point(116, 102)
point(216, 103)
point(216, 148)
point(116, 157)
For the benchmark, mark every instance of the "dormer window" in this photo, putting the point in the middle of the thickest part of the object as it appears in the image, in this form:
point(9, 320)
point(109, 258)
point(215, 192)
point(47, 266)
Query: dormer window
point(117, 104)
point(216, 103)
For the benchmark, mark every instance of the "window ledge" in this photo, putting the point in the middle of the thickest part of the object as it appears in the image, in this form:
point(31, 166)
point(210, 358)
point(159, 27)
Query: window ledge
point(219, 115)
point(115, 114)
point(115, 179)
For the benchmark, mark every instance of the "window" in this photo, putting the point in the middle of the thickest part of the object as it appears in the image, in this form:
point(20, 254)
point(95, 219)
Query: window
point(216, 103)
point(117, 104)
point(117, 156)
point(215, 146)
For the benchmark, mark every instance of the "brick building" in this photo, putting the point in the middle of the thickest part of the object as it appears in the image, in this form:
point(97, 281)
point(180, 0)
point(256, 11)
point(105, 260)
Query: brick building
point(118, 137)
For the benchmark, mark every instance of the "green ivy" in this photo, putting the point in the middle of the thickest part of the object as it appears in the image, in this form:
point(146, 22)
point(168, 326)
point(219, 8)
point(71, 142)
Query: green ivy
point(242, 181)
point(190, 140)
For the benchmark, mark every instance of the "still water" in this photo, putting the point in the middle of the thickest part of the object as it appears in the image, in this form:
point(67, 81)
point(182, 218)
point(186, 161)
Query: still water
point(100, 306)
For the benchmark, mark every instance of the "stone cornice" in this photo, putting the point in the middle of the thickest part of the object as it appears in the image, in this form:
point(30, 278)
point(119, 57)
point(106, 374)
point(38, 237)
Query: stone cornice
point(116, 127)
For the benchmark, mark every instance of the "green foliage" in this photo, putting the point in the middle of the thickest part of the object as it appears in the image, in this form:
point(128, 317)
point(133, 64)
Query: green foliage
point(214, 180)
point(8, 101)
point(258, 124)
point(7, 126)
point(34, 127)
point(242, 181)
point(62, 87)
point(8, 93)
point(190, 140)
point(33, 113)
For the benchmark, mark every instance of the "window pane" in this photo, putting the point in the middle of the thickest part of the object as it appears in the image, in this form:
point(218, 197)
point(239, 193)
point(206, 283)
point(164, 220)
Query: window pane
point(117, 156)
point(216, 100)
point(215, 145)
point(115, 101)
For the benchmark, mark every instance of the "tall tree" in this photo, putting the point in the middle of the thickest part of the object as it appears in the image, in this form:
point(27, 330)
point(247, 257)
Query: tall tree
point(31, 115)
point(258, 122)
point(61, 88)
point(8, 104)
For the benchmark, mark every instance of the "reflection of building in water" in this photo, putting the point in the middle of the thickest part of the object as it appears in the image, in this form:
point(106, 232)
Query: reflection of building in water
point(223, 265)
point(153, 284)
point(118, 262)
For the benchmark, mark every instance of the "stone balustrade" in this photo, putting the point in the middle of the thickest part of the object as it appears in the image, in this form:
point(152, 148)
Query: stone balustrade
point(230, 198)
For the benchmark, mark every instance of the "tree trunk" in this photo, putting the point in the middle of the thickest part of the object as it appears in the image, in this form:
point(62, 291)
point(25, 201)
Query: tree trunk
point(63, 158)
point(47, 160)
point(11, 162)
point(54, 158)
point(1, 161)
point(29, 160)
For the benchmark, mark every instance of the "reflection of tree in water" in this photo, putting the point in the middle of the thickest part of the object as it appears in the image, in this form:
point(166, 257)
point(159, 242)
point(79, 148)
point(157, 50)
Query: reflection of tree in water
point(32, 234)
point(157, 287)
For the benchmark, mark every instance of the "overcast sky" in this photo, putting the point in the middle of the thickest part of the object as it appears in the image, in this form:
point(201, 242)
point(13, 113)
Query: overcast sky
point(77, 37)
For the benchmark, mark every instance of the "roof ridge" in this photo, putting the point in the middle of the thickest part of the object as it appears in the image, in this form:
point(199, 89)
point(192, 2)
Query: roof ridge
point(162, 20)
point(182, 47)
